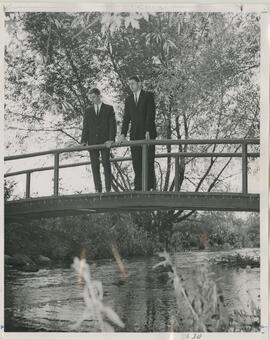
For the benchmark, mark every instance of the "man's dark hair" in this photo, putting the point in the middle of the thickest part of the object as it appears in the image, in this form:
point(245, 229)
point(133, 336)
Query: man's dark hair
point(136, 78)
point(95, 90)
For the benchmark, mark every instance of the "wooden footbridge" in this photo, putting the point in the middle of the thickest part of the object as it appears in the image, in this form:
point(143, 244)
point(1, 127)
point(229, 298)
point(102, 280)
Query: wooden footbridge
point(63, 205)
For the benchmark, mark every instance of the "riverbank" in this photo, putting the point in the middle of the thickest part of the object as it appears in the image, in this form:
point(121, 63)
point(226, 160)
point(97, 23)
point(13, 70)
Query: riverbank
point(57, 241)
point(235, 258)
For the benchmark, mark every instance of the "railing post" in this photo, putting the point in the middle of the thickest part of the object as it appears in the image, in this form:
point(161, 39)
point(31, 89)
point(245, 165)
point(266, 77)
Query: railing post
point(56, 174)
point(28, 182)
point(244, 169)
point(176, 173)
point(144, 167)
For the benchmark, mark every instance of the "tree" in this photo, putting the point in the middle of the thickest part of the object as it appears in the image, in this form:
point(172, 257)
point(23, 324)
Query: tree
point(203, 68)
point(8, 188)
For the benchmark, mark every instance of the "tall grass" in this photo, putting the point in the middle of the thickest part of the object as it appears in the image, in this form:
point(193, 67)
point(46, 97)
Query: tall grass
point(202, 307)
point(103, 316)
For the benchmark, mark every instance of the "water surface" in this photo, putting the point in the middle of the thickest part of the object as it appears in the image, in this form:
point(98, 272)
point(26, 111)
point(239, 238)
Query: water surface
point(51, 299)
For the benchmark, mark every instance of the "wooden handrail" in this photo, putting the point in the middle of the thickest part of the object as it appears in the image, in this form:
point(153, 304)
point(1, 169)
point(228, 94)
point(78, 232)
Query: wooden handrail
point(144, 144)
point(136, 143)
point(125, 159)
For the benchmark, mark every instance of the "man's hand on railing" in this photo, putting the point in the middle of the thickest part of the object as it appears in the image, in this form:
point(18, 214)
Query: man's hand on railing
point(147, 135)
point(121, 139)
point(108, 143)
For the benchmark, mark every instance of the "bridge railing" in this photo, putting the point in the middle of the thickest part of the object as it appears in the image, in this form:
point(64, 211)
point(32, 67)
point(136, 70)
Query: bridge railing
point(244, 154)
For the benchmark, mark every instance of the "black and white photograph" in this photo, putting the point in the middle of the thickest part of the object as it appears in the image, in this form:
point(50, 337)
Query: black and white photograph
point(132, 170)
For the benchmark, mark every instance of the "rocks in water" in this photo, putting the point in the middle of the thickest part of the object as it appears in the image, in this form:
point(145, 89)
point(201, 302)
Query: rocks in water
point(44, 260)
point(8, 260)
point(24, 263)
point(161, 273)
point(119, 282)
point(163, 277)
point(226, 246)
point(238, 260)
point(29, 268)
point(122, 280)
point(21, 262)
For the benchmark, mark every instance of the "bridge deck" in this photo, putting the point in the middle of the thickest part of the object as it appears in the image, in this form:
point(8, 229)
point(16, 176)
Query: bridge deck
point(54, 206)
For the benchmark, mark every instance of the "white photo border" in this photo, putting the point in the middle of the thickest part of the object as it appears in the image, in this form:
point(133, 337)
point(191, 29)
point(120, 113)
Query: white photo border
point(264, 11)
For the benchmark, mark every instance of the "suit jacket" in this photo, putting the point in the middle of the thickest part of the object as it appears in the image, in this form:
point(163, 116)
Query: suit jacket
point(100, 128)
point(141, 116)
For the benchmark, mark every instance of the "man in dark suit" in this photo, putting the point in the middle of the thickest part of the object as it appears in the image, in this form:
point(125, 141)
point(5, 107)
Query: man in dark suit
point(140, 112)
point(99, 127)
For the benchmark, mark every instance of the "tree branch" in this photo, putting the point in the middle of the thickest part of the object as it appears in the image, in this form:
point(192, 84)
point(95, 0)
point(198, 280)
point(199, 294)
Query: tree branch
point(116, 69)
point(177, 215)
point(45, 130)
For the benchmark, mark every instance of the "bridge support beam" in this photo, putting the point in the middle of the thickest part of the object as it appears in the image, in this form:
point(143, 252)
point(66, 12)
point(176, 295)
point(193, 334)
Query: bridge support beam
point(144, 167)
point(56, 174)
point(176, 173)
point(128, 201)
point(244, 169)
point(28, 183)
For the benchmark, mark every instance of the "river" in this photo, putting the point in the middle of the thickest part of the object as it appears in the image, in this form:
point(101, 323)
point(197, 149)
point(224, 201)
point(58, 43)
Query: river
point(51, 299)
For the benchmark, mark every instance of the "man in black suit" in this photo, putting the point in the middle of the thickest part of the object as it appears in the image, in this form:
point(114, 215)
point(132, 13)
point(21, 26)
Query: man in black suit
point(99, 127)
point(140, 112)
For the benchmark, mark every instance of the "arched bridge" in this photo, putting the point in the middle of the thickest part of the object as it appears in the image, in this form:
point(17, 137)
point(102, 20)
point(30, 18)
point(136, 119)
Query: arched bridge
point(63, 205)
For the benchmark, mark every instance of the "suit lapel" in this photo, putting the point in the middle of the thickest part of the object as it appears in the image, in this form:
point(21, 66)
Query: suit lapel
point(140, 98)
point(93, 114)
point(101, 109)
point(93, 111)
point(133, 100)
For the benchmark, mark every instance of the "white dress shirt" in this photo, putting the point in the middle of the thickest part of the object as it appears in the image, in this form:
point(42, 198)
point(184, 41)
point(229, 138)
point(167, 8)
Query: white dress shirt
point(136, 96)
point(97, 108)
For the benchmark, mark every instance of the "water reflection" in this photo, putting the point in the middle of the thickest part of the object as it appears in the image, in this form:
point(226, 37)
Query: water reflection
point(51, 300)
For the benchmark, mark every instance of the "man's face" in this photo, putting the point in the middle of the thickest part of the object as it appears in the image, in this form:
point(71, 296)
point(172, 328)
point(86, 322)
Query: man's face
point(95, 98)
point(133, 85)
